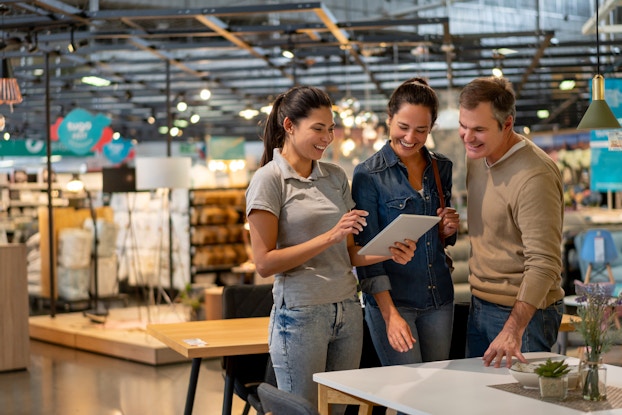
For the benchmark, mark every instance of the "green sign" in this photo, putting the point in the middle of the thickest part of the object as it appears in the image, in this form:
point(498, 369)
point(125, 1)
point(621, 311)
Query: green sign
point(35, 148)
point(226, 148)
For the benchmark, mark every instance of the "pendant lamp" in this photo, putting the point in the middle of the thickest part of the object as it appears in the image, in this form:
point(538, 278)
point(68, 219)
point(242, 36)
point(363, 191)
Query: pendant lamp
point(598, 115)
point(9, 89)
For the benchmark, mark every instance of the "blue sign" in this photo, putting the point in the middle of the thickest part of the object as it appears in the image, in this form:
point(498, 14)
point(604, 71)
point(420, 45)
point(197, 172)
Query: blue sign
point(606, 165)
point(81, 130)
point(117, 150)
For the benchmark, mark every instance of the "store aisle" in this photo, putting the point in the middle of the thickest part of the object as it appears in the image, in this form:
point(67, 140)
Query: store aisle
point(65, 381)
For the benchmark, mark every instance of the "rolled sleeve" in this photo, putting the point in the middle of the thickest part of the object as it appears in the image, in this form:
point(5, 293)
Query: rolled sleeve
point(376, 284)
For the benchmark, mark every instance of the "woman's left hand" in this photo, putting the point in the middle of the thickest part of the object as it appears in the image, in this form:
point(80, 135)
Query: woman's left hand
point(450, 220)
point(403, 251)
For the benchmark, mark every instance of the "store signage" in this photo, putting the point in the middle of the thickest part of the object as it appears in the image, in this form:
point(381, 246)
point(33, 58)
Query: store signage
point(80, 130)
point(118, 150)
point(34, 148)
point(606, 158)
point(226, 148)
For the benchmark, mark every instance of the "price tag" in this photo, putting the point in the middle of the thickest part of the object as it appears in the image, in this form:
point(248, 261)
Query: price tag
point(195, 342)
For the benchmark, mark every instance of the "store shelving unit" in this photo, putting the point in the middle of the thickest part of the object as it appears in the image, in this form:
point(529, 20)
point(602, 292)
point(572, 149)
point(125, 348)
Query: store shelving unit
point(19, 203)
point(216, 224)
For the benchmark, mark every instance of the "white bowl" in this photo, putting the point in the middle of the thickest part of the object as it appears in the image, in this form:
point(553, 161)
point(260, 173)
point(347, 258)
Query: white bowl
point(525, 374)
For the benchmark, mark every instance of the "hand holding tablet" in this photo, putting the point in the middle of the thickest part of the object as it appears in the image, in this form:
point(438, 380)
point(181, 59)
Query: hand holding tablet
point(405, 226)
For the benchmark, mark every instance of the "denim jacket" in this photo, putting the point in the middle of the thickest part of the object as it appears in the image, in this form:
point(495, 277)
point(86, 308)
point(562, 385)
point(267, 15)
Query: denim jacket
point(380, 186)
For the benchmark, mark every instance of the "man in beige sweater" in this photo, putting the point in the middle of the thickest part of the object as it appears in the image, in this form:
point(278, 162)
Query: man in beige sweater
point(515, 212)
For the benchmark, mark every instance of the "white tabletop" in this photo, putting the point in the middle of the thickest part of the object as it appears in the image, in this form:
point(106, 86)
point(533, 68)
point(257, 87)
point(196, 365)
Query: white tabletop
point(452, 387)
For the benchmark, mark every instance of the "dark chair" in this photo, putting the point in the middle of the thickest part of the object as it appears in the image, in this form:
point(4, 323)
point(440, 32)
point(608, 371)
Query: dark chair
point(278, 402)
point(244, 373)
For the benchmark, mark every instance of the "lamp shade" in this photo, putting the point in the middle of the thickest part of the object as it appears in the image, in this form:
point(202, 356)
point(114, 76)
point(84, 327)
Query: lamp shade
point(9, 89)
point(162, 172)
point(598, 115)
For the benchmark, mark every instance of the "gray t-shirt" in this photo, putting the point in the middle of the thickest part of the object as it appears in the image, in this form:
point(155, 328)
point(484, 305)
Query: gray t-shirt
point(306, 208)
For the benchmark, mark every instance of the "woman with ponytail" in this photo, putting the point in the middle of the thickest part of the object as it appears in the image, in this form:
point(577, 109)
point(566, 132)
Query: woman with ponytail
point(302, 221)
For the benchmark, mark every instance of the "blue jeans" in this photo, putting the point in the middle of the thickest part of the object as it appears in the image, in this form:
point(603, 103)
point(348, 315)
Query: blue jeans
point(313, 339)
point(431, 328)
point(487, 319)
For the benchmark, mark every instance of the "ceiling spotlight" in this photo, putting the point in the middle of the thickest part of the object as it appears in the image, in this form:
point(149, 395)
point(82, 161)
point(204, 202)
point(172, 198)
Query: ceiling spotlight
point(182, 106)
point(288, 54)
point(151, 120)
point(95, 81)
point(194, 118)
point(71, 47)
point(248, 113)
point(543, 114)
point(497, 72)
point(505, 51)
point(205, 94)
point(567, 84)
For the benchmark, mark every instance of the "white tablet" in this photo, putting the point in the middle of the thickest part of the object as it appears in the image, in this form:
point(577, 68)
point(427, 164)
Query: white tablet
point(405, 226)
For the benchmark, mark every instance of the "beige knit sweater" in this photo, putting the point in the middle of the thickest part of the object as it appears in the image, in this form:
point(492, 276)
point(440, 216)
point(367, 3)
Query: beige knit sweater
point(515, 214)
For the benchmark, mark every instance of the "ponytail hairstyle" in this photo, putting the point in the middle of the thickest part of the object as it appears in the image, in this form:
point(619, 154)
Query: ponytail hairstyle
point(415, 91)
point(295, 104)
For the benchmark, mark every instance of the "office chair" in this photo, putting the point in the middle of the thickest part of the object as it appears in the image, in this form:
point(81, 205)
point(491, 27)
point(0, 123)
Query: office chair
point(597, 250)
point(278, 402)
point(244, 373)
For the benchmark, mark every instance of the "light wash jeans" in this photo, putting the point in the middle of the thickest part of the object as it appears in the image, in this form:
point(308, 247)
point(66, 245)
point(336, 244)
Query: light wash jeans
point(431, 328)
point(313, 339)
point(487, 319)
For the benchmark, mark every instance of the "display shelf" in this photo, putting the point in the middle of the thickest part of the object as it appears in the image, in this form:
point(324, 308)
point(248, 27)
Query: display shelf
point(216, 227)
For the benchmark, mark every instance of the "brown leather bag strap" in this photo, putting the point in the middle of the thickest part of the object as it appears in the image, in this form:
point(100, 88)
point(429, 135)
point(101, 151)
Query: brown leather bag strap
point(439, 187)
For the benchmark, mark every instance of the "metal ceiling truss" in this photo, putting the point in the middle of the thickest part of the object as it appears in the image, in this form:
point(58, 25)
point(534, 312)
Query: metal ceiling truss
point(236, 52)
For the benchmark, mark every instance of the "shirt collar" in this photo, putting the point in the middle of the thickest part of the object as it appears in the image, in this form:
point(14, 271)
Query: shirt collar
point(508, 153)
point(288, 171)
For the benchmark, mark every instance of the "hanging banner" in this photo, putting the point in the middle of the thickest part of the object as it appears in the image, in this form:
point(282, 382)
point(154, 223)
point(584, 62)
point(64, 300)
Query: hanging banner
point(80, 130)
point(34, 148)
point(606, 164)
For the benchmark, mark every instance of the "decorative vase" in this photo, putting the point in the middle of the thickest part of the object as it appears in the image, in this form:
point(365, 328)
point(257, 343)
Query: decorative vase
point(594, 377)
point(553, 388)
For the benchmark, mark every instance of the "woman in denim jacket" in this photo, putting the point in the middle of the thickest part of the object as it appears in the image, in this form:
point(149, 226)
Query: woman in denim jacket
point(408, 308)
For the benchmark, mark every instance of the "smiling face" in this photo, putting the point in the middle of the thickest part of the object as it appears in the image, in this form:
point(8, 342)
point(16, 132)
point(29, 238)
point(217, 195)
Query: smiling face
point(408, 129)
point(481, 135)
point(307, 140)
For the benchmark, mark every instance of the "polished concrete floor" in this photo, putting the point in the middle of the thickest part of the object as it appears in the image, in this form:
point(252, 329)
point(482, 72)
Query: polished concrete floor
point(65, 381)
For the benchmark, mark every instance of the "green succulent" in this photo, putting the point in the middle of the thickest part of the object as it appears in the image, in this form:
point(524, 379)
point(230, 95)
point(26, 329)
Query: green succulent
point(552, 368)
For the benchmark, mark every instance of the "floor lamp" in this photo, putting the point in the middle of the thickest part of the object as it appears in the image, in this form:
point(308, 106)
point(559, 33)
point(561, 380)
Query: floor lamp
point(96, 314)
point(164, 173)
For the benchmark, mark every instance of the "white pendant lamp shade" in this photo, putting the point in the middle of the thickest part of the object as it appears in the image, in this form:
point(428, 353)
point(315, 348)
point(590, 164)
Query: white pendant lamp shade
point(162, 172)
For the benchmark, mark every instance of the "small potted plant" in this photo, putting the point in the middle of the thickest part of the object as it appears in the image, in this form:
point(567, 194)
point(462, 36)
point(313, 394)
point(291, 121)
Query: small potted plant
point(553, 378)
point(193, 298)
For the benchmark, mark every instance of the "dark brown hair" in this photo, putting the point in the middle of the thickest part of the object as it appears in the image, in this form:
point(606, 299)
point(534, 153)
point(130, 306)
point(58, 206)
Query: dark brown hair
point(295, 104)
point(498, 91)
point(415, 91)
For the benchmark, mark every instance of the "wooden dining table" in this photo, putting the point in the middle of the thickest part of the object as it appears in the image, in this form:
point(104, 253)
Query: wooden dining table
point(213, 338)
